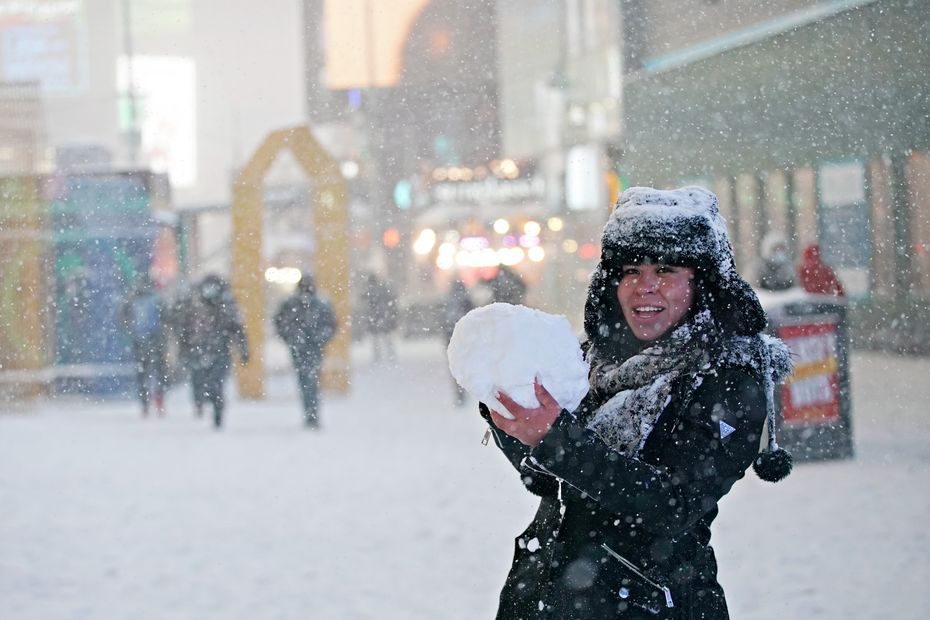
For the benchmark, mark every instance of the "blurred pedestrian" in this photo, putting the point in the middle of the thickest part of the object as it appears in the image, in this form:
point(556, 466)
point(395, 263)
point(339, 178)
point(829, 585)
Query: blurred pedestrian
point(306, 323)
point(777, 271)
point(142, 315)
point(456, 304)
point(382, 317)
point(211, 325)
point(816, 276)
point(178, 320)
point(507, 286)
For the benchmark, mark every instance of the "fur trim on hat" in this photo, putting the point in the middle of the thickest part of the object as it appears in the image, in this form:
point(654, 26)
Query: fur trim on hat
point(678, 227)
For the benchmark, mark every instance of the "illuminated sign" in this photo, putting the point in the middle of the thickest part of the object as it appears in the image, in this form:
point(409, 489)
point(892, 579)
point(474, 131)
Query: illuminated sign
point(490, 189)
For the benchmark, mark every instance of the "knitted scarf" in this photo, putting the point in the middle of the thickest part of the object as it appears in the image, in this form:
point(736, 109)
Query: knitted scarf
point(639, 389)
point(633, 393)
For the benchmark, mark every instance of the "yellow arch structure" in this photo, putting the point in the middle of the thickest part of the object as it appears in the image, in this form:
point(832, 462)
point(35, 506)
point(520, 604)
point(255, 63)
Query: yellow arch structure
point(331, 224)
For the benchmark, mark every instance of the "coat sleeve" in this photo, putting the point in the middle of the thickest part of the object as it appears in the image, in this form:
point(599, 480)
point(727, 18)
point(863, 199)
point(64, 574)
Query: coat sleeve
point(280, 321)
point(330, 323)
point(709, 447)
point(238, 333)
point(536, 482)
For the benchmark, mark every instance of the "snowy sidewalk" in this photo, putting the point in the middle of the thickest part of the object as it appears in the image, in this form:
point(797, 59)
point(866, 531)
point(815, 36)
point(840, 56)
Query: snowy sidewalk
point(396, 511)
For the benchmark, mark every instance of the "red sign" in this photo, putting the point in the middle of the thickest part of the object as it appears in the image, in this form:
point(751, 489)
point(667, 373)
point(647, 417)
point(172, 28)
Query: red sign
point(811, 395)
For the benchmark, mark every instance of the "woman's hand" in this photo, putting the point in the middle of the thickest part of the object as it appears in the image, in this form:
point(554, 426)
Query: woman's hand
point(529, 426)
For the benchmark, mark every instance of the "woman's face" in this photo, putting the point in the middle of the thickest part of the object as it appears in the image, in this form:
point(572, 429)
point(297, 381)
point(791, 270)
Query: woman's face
point(655, 297)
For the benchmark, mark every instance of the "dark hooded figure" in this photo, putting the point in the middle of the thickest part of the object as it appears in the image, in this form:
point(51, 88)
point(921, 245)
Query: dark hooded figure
point(306, 322)
point(143, 318)
point(507, 286)
point(207, 333)
point(681, 386)
point(776, 272)
point(179, 314)
point(382, 317)
point(456, 304)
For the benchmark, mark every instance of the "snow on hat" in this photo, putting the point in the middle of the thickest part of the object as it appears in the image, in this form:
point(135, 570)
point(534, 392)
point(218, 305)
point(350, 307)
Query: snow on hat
point(683, 227)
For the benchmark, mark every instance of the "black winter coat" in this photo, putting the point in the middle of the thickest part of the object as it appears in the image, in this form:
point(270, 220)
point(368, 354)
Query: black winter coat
point(382, 308)
point(306, 323)
point(627, 527)
point(207, 333)
point(147, 334)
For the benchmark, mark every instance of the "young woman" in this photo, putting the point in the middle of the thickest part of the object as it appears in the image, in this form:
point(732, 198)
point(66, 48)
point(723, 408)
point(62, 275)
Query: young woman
point(681, 387)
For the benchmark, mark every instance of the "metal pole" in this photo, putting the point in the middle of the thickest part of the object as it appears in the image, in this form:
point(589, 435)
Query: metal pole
point(902, 227)
point(371, 109)
point(791, 213)
point(761, 219)
point(132, 132)
point(736, 236)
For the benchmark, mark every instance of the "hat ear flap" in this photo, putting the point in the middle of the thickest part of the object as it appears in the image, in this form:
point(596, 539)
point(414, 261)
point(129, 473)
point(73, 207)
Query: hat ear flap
point(595, 306)
point(737, 307)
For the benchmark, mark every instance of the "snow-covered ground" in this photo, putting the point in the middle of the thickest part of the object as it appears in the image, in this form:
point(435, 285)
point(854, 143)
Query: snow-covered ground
point(396, 511)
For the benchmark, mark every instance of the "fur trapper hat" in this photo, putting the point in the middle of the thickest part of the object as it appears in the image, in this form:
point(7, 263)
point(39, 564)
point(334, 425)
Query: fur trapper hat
point(682, 227)
point(679, 227)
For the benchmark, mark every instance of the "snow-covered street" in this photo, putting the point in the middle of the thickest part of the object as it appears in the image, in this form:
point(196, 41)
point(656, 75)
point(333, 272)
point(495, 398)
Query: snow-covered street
point(395, 510)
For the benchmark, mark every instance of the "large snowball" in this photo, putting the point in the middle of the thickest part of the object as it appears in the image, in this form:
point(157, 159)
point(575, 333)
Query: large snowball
point(504, 347)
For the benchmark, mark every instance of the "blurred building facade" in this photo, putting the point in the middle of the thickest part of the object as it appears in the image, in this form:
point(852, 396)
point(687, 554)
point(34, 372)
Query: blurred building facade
point(181, 87)
point(490, 105)
point(22, 129)
point(809, 118)
point(396, 90)
point(94, 96)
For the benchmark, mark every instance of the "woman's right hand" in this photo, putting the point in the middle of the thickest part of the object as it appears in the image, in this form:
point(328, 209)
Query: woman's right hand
point(529, 425)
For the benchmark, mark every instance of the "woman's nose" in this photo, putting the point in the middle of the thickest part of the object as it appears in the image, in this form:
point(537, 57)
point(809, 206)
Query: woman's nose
point(647, 283)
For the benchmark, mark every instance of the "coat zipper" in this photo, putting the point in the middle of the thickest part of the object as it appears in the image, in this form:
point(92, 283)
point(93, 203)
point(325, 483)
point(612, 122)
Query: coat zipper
point(632, 567)
point(635, 569)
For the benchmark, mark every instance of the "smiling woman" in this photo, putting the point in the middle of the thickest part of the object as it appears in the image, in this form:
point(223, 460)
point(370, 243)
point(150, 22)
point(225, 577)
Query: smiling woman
point(655, 297)
point(681, 385)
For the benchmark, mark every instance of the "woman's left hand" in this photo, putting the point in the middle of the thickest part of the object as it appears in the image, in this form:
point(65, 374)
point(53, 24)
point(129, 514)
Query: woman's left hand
point(529, 426)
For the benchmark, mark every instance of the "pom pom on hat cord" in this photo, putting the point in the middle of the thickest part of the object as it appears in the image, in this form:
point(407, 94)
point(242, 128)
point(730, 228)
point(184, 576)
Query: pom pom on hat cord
point(774, 463)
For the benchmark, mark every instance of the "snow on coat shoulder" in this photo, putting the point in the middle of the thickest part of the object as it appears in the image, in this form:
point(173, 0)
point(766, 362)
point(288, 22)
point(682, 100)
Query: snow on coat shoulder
point(504, 347)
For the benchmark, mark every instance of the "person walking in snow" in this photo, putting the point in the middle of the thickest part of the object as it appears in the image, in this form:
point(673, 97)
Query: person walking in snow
point(507, 286)
point(456, 304)
point(776, 272)
point(382, 317)
point(178, 319)
point(208, 331)
point(142, 315)
point(816, 276)
point(681, 387)
point(306, 323)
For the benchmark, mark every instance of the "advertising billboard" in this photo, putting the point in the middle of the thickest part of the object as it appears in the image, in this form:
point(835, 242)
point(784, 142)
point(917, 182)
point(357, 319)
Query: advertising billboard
point(44, 41)
point(102, 238)
point(365, 41)
point(811, 395)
